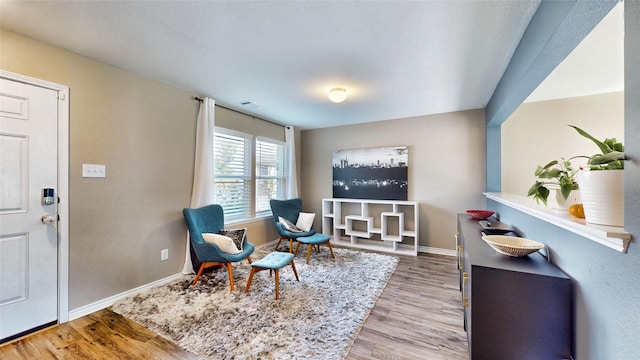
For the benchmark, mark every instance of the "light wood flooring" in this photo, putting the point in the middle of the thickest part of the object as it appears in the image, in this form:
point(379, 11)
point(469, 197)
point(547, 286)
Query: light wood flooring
point(418, 316)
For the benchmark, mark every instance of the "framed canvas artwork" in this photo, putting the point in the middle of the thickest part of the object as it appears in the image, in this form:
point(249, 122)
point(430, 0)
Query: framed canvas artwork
point(376, 173)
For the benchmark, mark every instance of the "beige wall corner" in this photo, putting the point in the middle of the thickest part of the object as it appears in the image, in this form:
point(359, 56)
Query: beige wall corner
point(446, 165)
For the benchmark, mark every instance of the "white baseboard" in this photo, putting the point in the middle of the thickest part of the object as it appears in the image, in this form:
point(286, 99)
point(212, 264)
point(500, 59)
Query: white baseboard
point(421, 249)
point(437, 251)
point(104, 303)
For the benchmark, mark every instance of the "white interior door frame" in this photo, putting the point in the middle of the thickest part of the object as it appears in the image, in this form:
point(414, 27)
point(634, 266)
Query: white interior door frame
point(63, 185)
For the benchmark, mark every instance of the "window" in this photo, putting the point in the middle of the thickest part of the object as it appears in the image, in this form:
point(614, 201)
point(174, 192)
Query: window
point(232, 184)
point(270, 173)
point(242, 189)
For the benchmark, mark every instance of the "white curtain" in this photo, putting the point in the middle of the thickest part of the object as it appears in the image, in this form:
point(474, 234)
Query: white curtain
point(202, 192)
point(292, 175)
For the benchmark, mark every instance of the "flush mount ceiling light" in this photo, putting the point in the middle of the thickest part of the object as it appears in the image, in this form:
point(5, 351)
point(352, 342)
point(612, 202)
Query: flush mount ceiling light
point(337, 94)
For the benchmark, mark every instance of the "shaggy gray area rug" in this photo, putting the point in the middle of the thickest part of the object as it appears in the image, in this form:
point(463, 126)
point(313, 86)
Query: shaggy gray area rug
point(316, 318)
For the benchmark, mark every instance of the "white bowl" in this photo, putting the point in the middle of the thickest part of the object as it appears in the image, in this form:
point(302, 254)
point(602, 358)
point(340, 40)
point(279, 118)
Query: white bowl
point(512, 245)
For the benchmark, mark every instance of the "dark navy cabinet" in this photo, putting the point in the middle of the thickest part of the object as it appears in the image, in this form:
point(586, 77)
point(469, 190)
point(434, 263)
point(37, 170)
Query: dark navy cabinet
point(515, 308)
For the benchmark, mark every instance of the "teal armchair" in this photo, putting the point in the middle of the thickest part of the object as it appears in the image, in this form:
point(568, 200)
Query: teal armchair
point(288, 209)
point(210, 219)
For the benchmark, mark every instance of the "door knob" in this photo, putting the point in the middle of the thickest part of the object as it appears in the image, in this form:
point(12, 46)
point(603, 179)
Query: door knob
point(48, 219)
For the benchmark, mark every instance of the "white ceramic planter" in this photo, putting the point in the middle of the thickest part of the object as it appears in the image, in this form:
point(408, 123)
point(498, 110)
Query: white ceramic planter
point(573, 198)
point(602, 193)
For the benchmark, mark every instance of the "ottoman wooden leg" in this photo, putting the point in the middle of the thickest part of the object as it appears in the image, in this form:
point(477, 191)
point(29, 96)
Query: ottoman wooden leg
point(293, 266)
point(309, 247)
point(277, 271)
point(253, 271)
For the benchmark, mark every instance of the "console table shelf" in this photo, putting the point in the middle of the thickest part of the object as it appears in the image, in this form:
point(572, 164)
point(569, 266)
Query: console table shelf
point(382, 225)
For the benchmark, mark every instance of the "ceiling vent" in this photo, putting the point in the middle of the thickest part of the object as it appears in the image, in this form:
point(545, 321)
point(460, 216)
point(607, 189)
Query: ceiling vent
point(248, 104)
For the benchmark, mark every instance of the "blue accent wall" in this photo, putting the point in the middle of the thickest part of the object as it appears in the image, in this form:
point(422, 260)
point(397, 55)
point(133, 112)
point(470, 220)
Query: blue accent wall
point(494, 151)
point(607, 283)
point(632, 122)
point(555, 30)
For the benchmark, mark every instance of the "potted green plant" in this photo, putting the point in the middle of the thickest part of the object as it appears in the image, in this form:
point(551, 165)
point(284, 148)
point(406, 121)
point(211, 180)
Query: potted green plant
point(558, 175)
point(602, 182)
point(612, 156)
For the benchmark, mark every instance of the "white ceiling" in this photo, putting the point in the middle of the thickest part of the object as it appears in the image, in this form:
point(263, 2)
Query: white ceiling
point(397, 59)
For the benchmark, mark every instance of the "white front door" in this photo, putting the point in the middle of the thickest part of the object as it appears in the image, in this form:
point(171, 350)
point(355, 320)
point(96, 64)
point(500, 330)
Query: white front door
point(28, 225)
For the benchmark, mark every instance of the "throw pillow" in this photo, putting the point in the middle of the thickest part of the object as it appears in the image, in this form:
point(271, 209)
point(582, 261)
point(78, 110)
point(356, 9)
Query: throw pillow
point(288, 224)
point(305, 221)
point(225, 243)
point(237, 235)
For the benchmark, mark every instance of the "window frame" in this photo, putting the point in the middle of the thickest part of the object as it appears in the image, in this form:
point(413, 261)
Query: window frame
point(251, 176)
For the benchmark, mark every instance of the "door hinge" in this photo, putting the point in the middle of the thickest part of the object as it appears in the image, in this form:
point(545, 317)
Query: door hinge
point(61, 96)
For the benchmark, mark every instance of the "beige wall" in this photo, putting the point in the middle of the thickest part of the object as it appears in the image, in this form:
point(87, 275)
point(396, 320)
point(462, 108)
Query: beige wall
point(230, 119)
point(144, 132)
point(446, 165)
point(537, 133)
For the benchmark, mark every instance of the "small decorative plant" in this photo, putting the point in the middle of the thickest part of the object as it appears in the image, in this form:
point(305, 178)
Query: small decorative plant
point(612, 156)
point(557, 174)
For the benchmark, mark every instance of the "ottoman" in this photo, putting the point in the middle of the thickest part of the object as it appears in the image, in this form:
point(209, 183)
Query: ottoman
point(316, 239)
point(273, 262)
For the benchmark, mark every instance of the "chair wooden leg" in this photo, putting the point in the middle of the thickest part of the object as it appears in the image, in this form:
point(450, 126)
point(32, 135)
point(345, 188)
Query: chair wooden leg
point(279, 240)
point(230, 271)
point(293, 266)
point(297, 247)
point(277, 283)
point(331, 249)
point(198, 274)
point(204, 265)
point(253, 271)
point(291, 245)
point(249, 259)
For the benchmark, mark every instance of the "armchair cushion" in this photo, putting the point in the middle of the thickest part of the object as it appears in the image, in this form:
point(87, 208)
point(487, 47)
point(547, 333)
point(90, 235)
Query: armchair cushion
point(305, 221)
point(225, 243)
point(288, 234)
point(236, 235)
point(288, 225)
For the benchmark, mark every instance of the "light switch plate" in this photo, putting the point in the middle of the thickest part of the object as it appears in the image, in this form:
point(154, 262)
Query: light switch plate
point(94, 171)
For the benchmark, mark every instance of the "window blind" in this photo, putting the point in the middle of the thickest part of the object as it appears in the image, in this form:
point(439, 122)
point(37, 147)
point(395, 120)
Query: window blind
point(232, 188)
point(270, 173)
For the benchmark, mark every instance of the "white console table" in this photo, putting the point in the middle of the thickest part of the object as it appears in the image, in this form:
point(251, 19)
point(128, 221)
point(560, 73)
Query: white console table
point(383, 225)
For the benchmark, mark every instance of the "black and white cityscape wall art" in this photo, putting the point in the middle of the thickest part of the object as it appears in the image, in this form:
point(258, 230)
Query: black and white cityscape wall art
point(376, 173)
